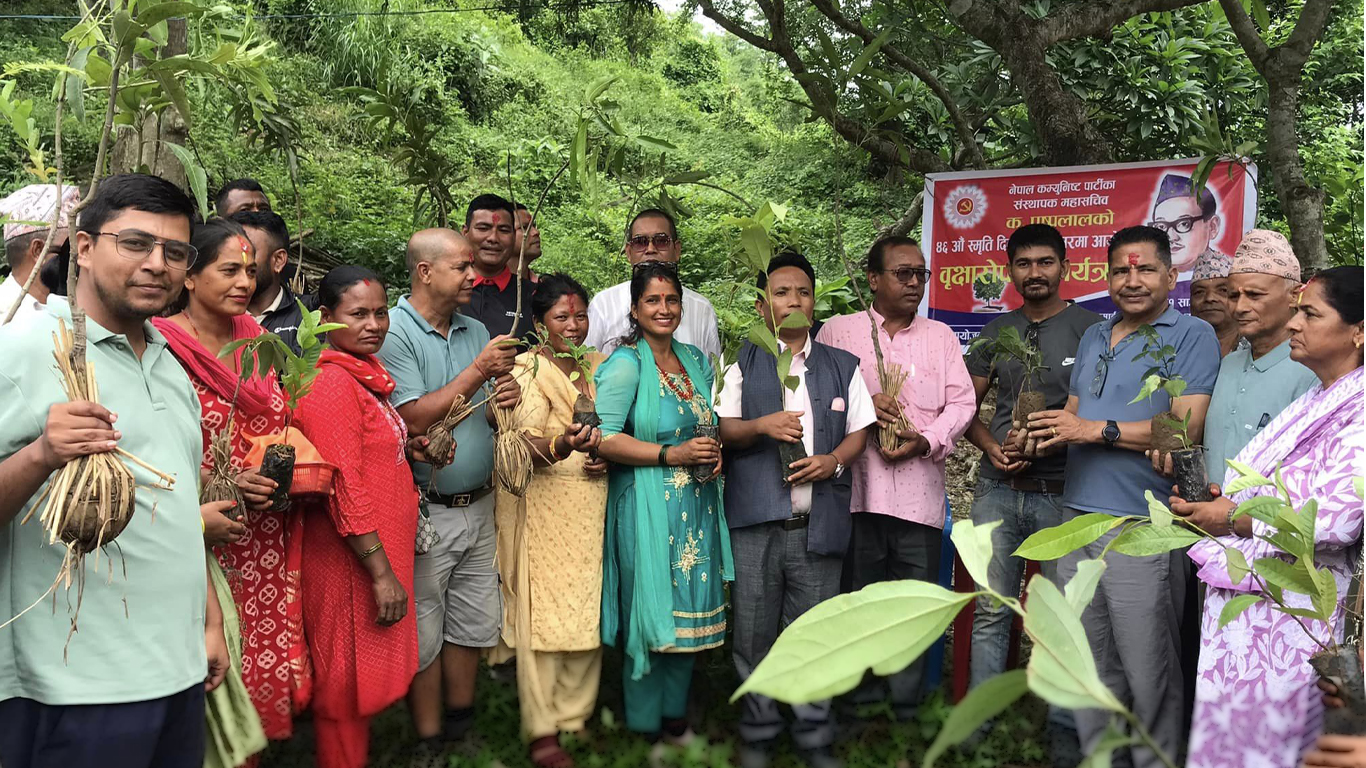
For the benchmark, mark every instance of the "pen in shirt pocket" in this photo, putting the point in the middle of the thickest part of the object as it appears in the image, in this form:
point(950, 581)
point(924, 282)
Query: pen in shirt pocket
point(1266, 419)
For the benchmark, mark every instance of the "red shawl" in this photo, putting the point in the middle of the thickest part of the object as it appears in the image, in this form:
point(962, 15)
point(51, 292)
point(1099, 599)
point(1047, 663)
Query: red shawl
point(255, 394)
point(366, 369)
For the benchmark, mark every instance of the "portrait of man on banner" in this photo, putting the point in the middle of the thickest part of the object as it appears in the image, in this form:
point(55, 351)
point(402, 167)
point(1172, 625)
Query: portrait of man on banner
point(1191, 221)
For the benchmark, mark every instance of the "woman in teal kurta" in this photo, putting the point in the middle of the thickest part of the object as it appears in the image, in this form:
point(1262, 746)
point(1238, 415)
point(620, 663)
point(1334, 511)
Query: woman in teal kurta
point(667, 545)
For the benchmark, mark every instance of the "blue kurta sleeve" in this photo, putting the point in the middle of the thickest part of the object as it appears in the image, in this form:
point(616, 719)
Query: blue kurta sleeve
point(617, 380)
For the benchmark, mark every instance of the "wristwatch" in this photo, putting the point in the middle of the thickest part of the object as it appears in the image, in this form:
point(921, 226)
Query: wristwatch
point(1110, 433)
point(839, 466)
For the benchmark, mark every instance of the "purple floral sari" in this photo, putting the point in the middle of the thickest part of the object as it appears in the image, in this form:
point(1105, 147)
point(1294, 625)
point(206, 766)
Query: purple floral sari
point(1256, 703)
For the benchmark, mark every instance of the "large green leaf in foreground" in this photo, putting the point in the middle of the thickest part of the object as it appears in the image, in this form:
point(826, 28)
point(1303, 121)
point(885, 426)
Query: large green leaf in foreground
point(1061, 668)
point(826, 652)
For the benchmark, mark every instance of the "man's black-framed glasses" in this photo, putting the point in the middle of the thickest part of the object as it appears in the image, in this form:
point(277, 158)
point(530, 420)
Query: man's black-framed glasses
point(908, 275)
point(661, 241)
point(1180, 226)
point(136, 245)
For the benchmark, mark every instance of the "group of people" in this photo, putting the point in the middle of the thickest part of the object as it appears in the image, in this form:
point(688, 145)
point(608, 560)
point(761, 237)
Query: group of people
point(655, 480)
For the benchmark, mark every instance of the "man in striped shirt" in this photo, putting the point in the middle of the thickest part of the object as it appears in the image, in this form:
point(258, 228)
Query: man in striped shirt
point(651, 236)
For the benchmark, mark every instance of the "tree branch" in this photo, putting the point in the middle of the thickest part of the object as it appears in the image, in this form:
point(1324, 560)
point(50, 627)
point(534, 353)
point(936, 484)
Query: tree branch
point(735, 27)
point(965, 133)
point(908, 219)
point(1308, 30)
point(1246, 32)
point(1094, 19)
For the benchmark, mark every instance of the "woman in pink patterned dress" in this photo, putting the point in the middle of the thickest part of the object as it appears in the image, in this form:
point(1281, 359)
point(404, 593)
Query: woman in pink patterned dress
point(254, 549)
point(1256, 704)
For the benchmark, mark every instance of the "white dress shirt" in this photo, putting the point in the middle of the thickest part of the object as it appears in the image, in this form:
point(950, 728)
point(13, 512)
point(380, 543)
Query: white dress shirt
point(10, 290)
point(609, 317)
point(859, 412)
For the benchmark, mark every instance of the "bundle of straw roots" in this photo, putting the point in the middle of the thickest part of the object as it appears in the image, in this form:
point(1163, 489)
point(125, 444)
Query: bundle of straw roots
point(440, 444)
point(892, 378)
point(511, 454)
point(222, 486)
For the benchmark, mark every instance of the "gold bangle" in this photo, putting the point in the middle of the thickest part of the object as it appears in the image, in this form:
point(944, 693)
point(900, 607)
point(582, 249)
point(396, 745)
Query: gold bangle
point(378, 546)
point(554, 455)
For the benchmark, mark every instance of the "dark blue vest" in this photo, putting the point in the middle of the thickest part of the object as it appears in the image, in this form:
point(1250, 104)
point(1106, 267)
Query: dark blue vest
point(755, 492)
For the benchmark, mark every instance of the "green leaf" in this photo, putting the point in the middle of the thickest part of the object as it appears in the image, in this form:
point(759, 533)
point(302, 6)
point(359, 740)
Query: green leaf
point(1061, 669)
point(1326, 598)
point(1150, 385)
point(973, 543)
point(1238, 568)
point(1144, 540)
point(1247, 478)
point(599, 87)
point(654, 144)
point(795, 320)
point(1235, 607)
point(761, 337)
point(1082, 587)
point(75, 86)
point(1103, 751)
point(1286, 576)
point(687, 177)
point(756, 245)
point(1053, 543)
point(818, 657)
point(162, 11)
point(982, 703)
point(865, 56)
point(1359, 486)
point(173, 90)
point(1158, 514)
point(785, 368)
point(1174, 387)
point(194, 172)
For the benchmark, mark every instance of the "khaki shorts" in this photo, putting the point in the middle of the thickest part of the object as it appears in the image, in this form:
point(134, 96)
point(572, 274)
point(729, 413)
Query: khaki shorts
point(456, 582)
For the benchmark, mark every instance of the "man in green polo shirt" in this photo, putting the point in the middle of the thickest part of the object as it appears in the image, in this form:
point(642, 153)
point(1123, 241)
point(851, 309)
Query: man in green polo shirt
point(128, 688)
point(1256, 383)
point(434, 354)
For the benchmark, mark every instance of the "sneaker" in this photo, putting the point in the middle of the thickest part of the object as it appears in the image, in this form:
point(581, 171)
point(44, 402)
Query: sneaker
point(757, 755)
point(428, 754)
point(822, 757)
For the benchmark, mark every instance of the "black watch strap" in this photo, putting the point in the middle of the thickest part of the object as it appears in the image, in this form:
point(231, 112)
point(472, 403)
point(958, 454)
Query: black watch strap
point(1110, 433)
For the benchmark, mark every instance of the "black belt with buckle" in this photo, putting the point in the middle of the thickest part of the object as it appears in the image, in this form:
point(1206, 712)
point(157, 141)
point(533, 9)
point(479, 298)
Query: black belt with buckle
point(796, 523)
point(1036, 485)
point(457, 499)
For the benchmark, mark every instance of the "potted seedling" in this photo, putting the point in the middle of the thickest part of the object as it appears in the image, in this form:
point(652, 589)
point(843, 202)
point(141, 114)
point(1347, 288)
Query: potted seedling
point(1010, 345)
point(1171, 433)
point(585, 410)
point(269, 353)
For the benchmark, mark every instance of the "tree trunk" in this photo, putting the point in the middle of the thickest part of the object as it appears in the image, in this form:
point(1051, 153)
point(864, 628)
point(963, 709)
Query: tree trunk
point(1065, 132)
point(1301, 202)
point(142, 149)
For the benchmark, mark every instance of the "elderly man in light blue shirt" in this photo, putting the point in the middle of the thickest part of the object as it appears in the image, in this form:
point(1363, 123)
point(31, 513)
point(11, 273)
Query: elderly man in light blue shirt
point(1259, 381)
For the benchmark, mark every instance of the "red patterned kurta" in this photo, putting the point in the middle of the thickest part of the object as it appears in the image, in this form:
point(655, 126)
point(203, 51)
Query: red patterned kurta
point(361, 667)
point(261, 570)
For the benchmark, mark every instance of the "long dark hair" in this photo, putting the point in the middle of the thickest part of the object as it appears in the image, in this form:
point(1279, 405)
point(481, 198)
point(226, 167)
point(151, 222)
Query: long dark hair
point(641, 276)
point(339, 280)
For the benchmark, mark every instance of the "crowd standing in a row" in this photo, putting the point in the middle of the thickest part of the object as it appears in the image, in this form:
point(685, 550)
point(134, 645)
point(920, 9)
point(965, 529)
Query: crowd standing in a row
point(416, 567)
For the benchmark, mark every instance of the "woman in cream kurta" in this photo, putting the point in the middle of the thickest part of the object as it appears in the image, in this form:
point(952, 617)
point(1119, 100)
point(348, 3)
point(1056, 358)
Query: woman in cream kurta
point(550, 543)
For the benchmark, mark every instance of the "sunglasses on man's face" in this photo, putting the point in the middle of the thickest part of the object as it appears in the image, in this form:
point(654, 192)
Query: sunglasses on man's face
point(661, 241)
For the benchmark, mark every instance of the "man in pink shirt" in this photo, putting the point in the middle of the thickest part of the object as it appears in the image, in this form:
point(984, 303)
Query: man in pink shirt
point(898, 496)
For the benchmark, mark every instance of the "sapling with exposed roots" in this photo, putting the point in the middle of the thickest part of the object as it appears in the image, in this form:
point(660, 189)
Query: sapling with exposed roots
point(1171, 433)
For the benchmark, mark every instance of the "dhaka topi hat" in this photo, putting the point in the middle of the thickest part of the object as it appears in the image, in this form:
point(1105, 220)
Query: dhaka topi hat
point(1267, 252)
point(34, 203)
point(1211, 265)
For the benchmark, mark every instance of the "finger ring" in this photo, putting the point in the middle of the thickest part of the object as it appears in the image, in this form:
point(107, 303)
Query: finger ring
point(1055, 431)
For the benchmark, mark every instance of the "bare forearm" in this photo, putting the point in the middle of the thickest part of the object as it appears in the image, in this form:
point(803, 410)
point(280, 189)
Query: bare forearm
point(979, 434)
point(213, 612)
point(376, 563)
point(21, 475)
point(624, 449)
point(541, 448)
point(432, 407)
point(739, 433)
point(850, 447)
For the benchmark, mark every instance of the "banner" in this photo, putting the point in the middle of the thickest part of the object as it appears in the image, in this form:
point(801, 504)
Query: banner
point(968, 218)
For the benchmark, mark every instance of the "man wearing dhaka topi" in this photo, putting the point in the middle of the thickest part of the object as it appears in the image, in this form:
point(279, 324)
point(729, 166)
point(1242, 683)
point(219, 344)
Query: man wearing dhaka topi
point(1191, 221)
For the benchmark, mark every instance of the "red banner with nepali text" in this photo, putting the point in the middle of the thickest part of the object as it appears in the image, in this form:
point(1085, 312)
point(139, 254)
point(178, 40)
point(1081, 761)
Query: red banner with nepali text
point(968, 218)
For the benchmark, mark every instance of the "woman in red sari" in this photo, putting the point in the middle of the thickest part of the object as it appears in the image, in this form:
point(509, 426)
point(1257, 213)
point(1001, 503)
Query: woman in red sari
point(358, 543)
point(253, 548)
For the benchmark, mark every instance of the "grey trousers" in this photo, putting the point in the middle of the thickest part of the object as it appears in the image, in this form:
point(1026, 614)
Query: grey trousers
point(1134, 627)
point(777, 580)
point(886, 548)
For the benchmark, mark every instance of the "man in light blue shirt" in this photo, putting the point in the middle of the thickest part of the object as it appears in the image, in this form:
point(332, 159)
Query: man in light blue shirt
point(435, 355)
point(1257, 383)
point(1133, 621)
point(128, 688)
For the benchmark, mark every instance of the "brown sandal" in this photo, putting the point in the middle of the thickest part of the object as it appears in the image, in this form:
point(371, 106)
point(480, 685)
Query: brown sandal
point(546, 752)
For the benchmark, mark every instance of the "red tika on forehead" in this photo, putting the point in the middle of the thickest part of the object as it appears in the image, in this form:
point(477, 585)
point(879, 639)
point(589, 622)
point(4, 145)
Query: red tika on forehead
point(246, 249)
point(1133, 259)
point(365, 281)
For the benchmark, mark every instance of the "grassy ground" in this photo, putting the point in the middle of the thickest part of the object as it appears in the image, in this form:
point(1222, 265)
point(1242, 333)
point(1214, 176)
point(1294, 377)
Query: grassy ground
point(1017, 739)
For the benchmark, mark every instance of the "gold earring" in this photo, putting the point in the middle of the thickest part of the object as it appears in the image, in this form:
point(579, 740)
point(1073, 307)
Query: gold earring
point(1357, 342)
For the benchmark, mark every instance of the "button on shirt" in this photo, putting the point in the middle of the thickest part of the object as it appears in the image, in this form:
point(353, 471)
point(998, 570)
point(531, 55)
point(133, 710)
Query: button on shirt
point(141, 630)
point(937, 399)
point(421, 360)
point(609, 317)
point(1248, 395)
point(1112, 480)
point(860, 412)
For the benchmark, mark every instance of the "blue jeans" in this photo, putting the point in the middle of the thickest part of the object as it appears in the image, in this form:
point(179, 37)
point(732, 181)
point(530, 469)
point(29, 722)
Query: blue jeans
point(1021, 513)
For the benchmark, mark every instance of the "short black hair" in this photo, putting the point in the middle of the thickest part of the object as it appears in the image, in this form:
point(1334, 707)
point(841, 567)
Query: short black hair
point(655, 213)
point(1036, 235)
point(133, 191)
point(489, 202)
point(208, 239)
point(17, 246)
point(1142, 233)
point(246, 185)
point(339, 279)
point(877, 254)
point(788, 258)
point(270, 222)
point(550, 289)
point(1342, 288)
point(521, 207)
